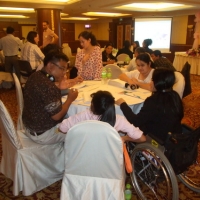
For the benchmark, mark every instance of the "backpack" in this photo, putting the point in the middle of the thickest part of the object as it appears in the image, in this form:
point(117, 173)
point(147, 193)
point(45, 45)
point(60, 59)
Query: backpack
point(182, 149)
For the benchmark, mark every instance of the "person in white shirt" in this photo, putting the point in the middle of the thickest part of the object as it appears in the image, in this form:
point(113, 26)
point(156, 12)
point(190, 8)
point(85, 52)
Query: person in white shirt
point(31, 52)
point(142, 75)
point(132, 64)
point(103, 109)
point(10, 46)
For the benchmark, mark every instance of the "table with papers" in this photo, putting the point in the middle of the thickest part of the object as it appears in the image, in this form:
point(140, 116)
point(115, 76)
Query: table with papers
point(134, 98)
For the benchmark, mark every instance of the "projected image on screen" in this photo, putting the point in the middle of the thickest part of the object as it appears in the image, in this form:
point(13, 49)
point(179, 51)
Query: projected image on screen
point(157, 29)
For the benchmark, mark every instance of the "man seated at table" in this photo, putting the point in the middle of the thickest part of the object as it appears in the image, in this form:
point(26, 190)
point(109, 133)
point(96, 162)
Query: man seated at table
point(161, 61)
point(43, 108)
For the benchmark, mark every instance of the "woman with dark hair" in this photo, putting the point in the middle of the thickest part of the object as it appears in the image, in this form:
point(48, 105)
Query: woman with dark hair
point(136, 44)
point(103, 109)
point(162, 111)
point(142, 75)
point(89, 59)
point(146, 43)
point(107, 56)
point(31, 52)
point(126, 49)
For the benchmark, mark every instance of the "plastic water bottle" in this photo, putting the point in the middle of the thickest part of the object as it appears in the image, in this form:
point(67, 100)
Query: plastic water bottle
point(128, 192)
point(104, 76)
point(109, 74)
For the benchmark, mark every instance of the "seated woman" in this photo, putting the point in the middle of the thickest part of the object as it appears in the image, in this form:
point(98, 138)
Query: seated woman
point(146, 43)
point(103, 109)
point(142, 75)
point(136, 44)
point(107, 56)
point(31, 52)
point(132, 64)
point(126, 49)
point(89, 59)
point(162, 111)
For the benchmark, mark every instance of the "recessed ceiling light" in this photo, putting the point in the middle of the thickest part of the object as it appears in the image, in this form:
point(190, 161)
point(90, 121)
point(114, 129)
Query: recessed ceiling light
point(78, 18)
point(13, 16)
point(153, 6)
point(105, 14)
point(17, 9)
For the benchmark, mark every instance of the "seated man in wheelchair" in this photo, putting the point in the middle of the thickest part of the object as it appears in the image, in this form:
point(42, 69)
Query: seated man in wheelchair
point(162, 112)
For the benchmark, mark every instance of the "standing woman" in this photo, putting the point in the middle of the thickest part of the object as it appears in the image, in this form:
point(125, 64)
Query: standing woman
point(31, 52)
point(107, 56)
point(89, 59)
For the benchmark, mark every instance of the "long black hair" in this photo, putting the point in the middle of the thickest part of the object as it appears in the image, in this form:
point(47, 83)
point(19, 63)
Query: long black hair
point(164, 80)
point(103, 104)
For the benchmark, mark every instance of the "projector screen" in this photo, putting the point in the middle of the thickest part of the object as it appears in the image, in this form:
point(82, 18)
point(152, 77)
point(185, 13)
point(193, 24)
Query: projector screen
point(157, 29)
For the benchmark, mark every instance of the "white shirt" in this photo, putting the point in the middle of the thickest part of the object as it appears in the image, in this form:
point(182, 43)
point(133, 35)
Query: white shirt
point(33, 54)
point(136, 74)
point(132, 65)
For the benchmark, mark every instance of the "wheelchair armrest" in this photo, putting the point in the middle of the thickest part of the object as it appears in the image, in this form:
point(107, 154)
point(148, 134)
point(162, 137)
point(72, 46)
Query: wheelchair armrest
point(156, 139)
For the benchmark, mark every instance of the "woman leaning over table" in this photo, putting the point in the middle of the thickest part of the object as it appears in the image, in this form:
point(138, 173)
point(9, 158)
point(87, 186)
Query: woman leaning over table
point(89, 59)
point(142, 75)
point(162, 111)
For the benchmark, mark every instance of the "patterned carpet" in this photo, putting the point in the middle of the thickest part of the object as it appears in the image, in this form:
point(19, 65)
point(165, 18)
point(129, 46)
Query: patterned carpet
point(191, 117)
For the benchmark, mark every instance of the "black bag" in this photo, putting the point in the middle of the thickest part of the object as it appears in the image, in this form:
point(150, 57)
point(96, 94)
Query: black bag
point(182, 149)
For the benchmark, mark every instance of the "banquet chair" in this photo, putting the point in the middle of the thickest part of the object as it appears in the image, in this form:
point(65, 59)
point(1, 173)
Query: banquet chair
point(179, 84)
point(29, 165)
point(20, 102)
point(25, 70)
point(67, 51)
point(115, 70)
point(94, 163)
point(122, 57)
point(186, 73)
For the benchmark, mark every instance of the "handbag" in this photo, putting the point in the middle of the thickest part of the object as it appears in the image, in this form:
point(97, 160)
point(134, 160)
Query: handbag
point(127, 160)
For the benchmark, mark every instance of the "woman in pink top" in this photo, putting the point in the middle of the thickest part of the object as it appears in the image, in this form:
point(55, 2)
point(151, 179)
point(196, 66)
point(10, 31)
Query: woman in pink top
point(103, 109)
point(89, 59)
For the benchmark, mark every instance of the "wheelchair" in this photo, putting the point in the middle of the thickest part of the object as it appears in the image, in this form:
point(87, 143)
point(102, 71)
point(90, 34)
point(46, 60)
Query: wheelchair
point(153, 175)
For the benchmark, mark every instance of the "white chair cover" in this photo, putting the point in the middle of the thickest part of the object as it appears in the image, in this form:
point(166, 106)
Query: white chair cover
point(67, 51)
point(31, 166)
point(20, 102)
point(122, 57)
point(6, 80)
point(116, 71)
point(179, 84)
point(94, 163)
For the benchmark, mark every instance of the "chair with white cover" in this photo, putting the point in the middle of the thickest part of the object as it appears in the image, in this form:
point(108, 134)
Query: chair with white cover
point(20, 102)
point(115, 70)
point(29, 165)
point(122, 57)
point(179, 84)
point(67, 51)
point(94, 163)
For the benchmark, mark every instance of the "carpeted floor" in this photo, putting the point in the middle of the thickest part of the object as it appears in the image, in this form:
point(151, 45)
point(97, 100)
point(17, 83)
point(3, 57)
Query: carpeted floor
point(191, 117)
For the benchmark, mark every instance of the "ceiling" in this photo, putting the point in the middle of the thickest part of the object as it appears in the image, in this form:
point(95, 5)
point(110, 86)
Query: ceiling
point(75, 8)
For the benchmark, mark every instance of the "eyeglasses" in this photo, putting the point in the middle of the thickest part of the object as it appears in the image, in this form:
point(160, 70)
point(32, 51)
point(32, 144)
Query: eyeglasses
point(64, 69)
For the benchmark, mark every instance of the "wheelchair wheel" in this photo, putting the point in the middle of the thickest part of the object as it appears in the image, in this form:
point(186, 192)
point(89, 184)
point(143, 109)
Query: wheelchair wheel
point(153, 176)
point(190, 178)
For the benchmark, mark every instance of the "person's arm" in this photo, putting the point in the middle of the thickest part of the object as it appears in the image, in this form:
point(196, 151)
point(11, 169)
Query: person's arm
point(139, 140)
point(55, 39)
point(125, 78)
point(98, 63)
point(65, 106)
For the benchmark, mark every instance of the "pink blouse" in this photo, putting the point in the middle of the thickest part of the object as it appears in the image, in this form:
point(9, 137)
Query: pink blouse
point(92, 68)
point(121, 123)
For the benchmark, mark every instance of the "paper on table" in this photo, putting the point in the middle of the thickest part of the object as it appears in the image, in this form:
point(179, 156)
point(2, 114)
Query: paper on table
point(86, 97)
point(117, 83)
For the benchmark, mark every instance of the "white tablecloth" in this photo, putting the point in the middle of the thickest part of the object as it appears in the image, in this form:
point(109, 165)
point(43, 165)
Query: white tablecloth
point(181, 58)
point(133, 98)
